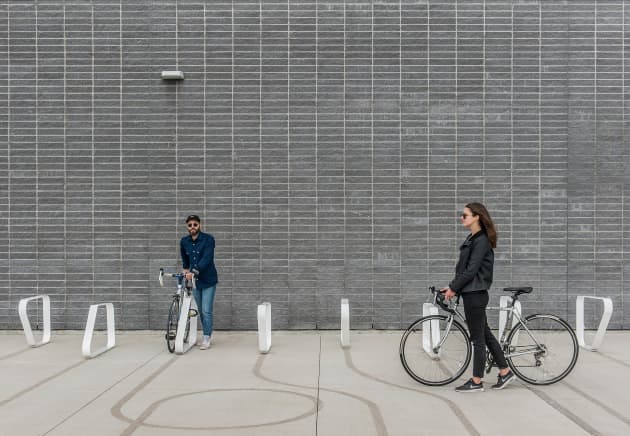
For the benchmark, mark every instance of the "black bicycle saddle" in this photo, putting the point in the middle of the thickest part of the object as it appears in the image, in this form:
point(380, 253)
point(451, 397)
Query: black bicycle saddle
point(519, 290)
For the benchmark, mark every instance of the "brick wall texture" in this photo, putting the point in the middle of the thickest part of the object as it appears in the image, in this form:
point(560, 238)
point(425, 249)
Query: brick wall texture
point(329, 147)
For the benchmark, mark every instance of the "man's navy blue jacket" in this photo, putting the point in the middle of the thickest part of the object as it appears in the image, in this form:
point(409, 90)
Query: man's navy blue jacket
point(198, 257)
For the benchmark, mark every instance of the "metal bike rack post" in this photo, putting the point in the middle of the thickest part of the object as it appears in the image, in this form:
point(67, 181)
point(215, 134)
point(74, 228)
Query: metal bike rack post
point(504, 302)
point(345, 323)
point(264, 327)
point(89, 330)
point(603, 323)
point(181, 344)
point(26, 324)
point(430, 330)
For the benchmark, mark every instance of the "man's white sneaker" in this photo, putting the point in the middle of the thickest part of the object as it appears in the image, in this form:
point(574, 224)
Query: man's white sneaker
point(205, 344)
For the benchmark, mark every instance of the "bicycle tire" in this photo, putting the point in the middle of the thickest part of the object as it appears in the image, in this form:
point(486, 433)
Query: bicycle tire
point(171, 327)
point(425, 364)
point(545, 366)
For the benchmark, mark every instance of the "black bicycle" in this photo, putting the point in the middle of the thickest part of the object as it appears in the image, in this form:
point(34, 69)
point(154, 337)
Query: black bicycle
point(541, 349)
point(174, 310)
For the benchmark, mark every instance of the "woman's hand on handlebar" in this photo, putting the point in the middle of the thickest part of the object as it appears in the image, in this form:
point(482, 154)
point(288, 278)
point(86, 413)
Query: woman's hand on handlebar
point(448, 293)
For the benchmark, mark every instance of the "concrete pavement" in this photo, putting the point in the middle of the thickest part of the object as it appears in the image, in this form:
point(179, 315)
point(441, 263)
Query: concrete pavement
point(306, 385)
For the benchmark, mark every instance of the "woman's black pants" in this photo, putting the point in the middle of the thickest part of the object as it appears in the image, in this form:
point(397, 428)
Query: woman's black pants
point(480, 335)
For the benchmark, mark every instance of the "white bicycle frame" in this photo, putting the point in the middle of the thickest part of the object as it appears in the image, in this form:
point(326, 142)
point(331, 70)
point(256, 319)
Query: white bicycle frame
point(187, 302)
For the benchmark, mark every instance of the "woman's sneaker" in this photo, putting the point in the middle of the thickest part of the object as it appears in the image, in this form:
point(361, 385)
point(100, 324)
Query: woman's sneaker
point(503, 381)
point(470, 386)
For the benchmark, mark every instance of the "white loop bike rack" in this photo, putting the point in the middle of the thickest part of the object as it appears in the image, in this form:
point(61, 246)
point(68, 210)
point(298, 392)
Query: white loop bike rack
point(264, 327)
point(183, 344)
point(345, 323)
point(26, 324)
point(430, 330)
point(603, 323)
point(504, 302)
point(89, 330)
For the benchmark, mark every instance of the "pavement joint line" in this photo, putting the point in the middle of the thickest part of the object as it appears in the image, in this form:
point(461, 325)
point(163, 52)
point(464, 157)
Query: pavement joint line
point(468, 425)
point(41, 382)
point(594, 400)
point(377, 417)
point(563, 410)
point(319, 373)
point(103, 393)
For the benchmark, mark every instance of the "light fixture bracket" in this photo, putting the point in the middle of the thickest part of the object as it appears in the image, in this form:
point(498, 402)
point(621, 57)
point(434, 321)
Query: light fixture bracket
point(173, 75)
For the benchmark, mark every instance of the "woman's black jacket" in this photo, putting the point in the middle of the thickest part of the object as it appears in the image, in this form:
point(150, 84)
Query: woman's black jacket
point(474, 268)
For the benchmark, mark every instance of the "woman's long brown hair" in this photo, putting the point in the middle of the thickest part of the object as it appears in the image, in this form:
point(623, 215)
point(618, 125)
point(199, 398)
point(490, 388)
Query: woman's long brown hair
point(485, 221)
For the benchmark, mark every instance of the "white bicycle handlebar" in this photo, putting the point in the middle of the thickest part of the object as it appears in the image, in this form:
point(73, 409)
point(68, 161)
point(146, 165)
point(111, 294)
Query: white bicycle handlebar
point(178, 276)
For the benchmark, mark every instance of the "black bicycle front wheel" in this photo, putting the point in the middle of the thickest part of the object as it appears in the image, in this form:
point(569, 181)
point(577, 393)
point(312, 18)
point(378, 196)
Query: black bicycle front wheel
point(545, 352)
point(433, 355)
point(187, 331)
point(171, 328)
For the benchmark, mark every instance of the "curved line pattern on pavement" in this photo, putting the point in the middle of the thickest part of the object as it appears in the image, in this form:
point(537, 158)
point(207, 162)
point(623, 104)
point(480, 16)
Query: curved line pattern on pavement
point(102, 393)
point(116, 409)
point(148, 411)
point(375, 412)
point(456, 410)
point(134, 424)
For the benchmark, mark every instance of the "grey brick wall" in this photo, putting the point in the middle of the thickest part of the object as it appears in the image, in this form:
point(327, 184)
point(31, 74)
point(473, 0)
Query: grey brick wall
point(329, 146)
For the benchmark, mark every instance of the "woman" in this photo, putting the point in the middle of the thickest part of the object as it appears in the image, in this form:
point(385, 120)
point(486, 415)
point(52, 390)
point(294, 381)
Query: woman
point(473, 277)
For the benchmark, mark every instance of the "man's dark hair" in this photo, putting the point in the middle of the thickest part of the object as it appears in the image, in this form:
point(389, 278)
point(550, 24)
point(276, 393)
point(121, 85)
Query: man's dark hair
point(193, 217)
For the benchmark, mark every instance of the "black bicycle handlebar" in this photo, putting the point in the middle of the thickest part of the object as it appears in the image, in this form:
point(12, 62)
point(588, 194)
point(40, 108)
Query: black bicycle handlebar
point(438, 298)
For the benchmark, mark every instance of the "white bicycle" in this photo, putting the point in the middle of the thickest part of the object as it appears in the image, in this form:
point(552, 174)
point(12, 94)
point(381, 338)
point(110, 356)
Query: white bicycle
point(179, 323)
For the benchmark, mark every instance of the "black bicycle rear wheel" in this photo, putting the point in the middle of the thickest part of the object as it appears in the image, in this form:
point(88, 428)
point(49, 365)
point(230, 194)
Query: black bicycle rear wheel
point(171, 328)
point(429, 362)
point(545, 352)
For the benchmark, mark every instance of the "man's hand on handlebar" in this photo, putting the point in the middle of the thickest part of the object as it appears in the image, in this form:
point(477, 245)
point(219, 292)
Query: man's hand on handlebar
point(448, 293)
point(189, 275)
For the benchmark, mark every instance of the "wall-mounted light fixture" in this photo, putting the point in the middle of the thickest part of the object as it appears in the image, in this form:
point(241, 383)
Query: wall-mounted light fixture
point(172, 75)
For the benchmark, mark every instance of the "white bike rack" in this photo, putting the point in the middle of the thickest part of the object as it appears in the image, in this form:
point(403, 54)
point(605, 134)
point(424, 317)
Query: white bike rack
point(431, 334)
point(26, 324)
point(603, 323)
point(181, 344)
point(89, 330)
point(264, 327)
point(504, 303)
point(345, 323)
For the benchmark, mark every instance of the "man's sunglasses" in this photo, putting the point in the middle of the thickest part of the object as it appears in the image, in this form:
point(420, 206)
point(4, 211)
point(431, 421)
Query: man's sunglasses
point(191, 225)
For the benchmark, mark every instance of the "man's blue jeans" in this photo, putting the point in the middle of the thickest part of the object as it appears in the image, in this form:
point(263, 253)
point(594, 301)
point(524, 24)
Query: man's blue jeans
point(205, 299)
